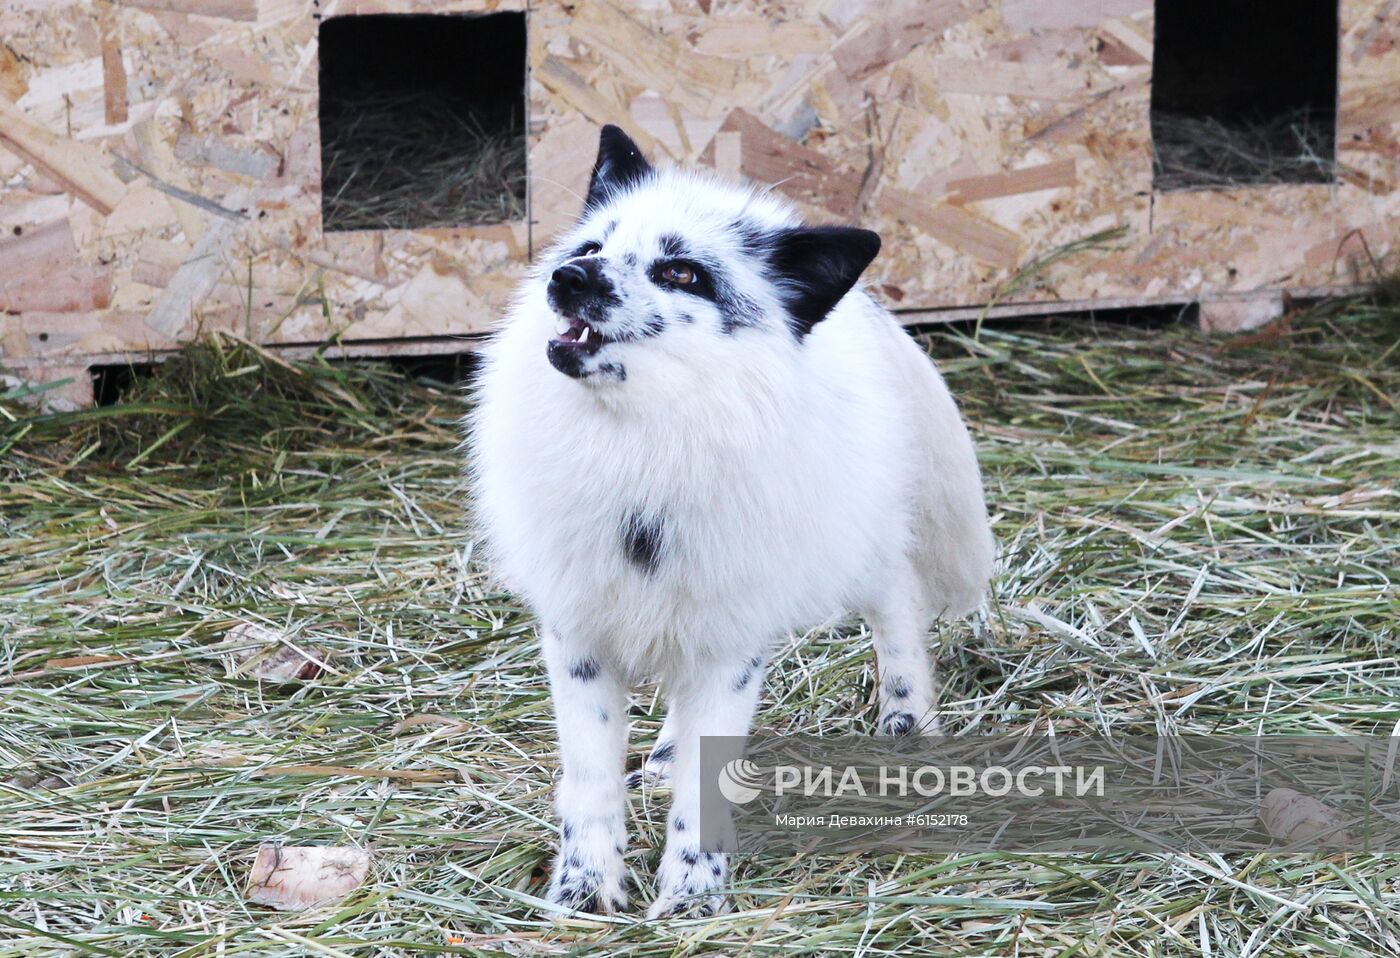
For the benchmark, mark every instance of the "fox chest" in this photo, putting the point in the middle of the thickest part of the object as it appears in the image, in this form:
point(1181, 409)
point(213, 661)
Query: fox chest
point(652, 581)
point(665, 548)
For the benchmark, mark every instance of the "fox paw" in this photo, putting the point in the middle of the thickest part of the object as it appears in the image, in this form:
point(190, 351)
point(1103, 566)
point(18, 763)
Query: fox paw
point(688, 885)
point(595, 886)
point(898, 722)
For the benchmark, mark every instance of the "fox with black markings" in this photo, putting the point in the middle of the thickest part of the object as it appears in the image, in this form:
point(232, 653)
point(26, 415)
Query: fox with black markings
point(693, 434)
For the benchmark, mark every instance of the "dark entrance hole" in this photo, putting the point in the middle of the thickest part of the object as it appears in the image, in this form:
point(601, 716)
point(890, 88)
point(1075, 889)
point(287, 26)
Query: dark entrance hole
point(1244, 92)
point(422, 120)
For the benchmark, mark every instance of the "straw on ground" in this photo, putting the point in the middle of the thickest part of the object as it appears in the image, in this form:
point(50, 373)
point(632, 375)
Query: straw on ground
point(1196, 537)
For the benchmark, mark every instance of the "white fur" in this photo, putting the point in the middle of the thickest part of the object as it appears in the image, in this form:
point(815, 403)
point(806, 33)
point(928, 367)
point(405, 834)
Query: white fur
point(797, 477)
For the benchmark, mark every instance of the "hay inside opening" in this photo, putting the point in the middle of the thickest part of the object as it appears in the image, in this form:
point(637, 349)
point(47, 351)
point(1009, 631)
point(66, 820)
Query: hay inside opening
point(1243, 94)
point(422, 120)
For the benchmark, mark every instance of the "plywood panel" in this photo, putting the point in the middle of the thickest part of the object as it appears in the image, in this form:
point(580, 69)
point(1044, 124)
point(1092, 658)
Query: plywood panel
point(162, 158)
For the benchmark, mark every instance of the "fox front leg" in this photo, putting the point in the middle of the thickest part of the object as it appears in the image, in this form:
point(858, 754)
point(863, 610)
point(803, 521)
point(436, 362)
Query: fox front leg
point(591, 716)
point(717, 700)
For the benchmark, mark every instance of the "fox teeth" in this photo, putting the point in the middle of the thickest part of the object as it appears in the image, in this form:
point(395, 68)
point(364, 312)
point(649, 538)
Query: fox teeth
point(583, 336)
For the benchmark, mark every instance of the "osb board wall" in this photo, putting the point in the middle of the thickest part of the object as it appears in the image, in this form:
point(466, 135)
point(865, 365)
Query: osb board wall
point(159, 159)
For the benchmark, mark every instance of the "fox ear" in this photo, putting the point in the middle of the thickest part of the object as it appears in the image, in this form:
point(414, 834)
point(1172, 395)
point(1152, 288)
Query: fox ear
point(619, 165)
point(816, 266)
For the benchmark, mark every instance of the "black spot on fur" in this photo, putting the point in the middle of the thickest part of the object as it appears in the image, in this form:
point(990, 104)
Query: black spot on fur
point(641, 541)
point(753, 239)
point(655, 325)
point(736, 309)
point(679, 823)
point(897, 723)
point(898, 687)
point(711, 284)
point(672, 246)
point(585, 670)
point(580, 888)
point(663, 752)
point(603, 716)
point(742, 680)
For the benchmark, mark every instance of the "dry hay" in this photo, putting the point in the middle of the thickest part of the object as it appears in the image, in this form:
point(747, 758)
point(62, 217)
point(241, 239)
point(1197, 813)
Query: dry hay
point(1191, 152)
point(397, 160)
point(1220, 518)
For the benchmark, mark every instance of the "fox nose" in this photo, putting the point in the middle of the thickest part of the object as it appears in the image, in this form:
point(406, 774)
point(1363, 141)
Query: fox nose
point(569, 279)
point(579, 285)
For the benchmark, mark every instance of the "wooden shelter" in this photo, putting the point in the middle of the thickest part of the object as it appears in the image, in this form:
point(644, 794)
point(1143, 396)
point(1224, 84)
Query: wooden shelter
point(160, 165)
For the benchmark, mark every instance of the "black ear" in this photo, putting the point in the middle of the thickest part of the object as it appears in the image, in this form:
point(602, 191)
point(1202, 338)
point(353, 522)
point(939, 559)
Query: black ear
point(817, 266)
point(620, 164)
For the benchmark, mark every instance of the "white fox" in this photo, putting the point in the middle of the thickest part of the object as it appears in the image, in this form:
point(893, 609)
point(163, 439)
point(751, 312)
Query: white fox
point(693, 435)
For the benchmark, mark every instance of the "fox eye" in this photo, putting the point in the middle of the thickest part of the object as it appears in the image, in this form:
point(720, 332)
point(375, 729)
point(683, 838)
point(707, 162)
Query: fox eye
point(679, 274)
point(589, 249)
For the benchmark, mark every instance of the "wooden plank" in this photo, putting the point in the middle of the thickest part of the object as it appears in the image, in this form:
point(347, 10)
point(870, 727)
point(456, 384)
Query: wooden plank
point(1356, 245)
point(557, 77)
point(79, 168)
point(1125, 34)
point(1204, 207)
point(1239, 314)
point(114, 92)
point(197, 275)
point(159, 159)
point(652, 58)
point(1364, 180)
point(43, 368)
point(1029, 179)
point(751, 36)
point(73, 390)
point(1023, 16)
point(246, 10)
point(729, 154)
point(39, 249)
point(883, 39)
point(77, 289)
point(13, 84)
point(953, 226)
point(796, 170)
point(835, 95)
point(1051, 81)
point(40, 272)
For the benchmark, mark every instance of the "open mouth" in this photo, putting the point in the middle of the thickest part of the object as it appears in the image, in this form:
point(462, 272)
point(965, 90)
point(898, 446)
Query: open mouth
point(574, 342)
point(577, 337)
